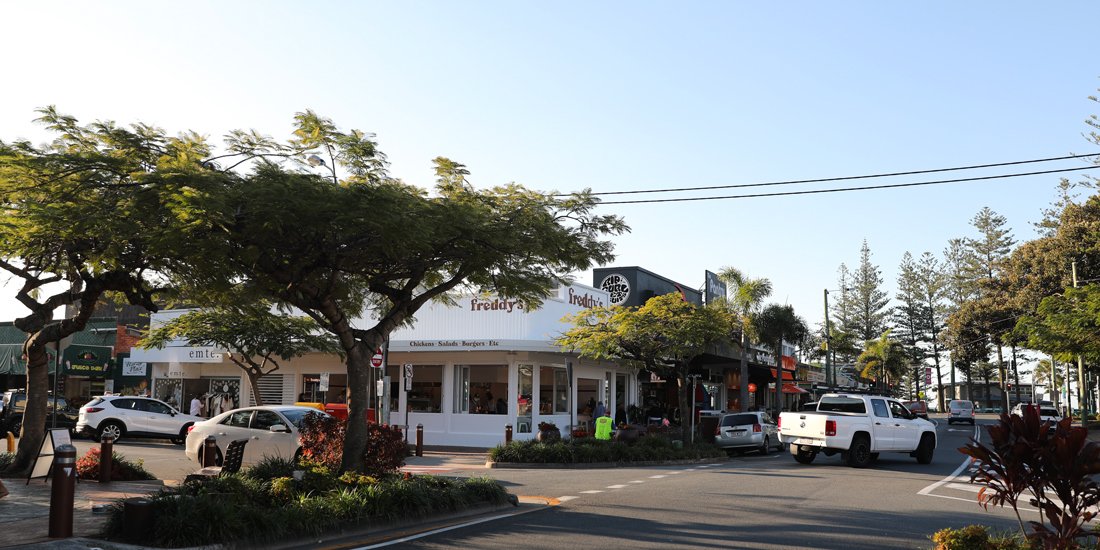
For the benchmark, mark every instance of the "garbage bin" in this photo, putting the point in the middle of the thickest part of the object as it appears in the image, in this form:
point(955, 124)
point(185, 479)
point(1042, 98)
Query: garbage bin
point(707, 425)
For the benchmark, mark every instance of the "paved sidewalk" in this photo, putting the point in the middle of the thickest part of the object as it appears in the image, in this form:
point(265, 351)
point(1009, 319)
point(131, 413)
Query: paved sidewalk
point(24, 514)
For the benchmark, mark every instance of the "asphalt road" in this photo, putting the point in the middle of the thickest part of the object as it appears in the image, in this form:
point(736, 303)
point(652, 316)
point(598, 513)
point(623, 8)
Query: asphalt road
point(749, 501)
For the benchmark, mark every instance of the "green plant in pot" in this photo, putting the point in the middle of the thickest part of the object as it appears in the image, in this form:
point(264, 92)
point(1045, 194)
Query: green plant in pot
point(548, 432)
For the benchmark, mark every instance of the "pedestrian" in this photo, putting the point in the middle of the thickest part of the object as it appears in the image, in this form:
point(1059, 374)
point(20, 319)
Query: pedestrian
point(603, 427)
point(196, 406)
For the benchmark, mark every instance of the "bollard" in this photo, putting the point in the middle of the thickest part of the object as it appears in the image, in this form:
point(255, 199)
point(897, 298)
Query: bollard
point(106, 458)
point(507, 434)
point(419, 440)
point(11, 442)
point(209, 451)
point(137, 519)
point(62, 492)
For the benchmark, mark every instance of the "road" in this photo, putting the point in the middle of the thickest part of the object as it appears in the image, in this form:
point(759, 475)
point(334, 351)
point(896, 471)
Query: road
point(749, 501)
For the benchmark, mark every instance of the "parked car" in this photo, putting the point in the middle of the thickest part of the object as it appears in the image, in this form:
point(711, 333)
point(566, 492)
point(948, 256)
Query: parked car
point(960, 410)
point(1049, 414)
point(270, 431)
point(754, 430)
point(15, 404)
point(859, 427)
point(919, 408)
point(131, 416)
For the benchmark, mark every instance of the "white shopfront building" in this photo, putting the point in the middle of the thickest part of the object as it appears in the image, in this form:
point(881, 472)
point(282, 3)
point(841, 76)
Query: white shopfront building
point(477, 366)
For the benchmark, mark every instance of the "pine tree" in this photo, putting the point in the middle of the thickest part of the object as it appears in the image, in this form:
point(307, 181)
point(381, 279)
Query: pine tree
point(869, 299)
point(910, 320)
point(932, 285)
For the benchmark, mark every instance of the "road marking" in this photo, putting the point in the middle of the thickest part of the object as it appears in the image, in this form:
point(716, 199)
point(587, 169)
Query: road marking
point(615, 486)
point(566, 498)
point(637, 481)
point(674, 473)
point(433, 532)
point(657, 477)
point(590, 492)
point(966, 463)
point(964, 487)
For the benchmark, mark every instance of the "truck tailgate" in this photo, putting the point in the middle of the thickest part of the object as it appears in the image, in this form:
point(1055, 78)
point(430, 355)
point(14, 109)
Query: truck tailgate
point(802, 425)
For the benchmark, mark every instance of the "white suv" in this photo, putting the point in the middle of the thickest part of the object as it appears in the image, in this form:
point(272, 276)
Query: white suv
point(960, 410)
point(119, 415)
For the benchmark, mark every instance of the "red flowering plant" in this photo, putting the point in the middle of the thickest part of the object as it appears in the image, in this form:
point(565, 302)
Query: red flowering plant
point(87, 467)
point(322, 439)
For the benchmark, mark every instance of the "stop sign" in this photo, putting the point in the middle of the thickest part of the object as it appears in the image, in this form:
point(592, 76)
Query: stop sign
point(376, 359)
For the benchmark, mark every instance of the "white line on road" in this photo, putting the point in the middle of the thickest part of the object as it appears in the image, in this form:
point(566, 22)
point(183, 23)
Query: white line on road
point(566, 498)
point(590, 492)
point(674, 473)
point(657, 476)
point(964, 487)
point(637, 481)
point(615, 486)
point(433, 532)
point(963, 466)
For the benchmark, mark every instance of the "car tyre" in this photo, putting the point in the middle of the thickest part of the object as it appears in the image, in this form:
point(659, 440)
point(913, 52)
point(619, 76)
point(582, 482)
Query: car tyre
point(182, 436)
point(766, 447)
point(111, 428)
point(874, 458)
point(926, 449)
point(804, 457)
point(859, 454)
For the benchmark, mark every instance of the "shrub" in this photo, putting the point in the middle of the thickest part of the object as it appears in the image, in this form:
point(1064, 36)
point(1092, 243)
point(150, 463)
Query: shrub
point(323, 443)
point(977, 537)
point(1052, 463)
point(271, 467)
point(243, 510)
point(87, 467)
point(587, 450)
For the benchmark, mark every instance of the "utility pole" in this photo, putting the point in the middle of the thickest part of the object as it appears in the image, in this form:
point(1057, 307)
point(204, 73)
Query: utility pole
point(1082, 389)
point(830, 375)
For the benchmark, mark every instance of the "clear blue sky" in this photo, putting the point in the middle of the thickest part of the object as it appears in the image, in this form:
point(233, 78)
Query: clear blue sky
point(617, 96)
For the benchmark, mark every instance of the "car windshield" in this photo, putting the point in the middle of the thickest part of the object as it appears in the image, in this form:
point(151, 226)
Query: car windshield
point(1048, 412)
point(295, 416)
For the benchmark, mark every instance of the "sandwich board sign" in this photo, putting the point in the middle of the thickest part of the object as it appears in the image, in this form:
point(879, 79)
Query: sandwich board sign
point(54, 438)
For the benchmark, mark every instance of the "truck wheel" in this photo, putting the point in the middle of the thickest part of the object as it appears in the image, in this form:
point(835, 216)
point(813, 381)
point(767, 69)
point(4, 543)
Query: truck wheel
point(804, 457)
point(926, 449)
point(874, 458)
point(859, 454)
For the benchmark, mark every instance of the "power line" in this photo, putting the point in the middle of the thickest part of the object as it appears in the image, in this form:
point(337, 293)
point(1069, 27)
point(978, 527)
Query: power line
point(843, 189)
point(825, 180)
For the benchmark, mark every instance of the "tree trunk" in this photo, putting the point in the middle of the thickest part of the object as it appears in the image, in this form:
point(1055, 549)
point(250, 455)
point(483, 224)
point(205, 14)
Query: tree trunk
point(939, 378)
point(778, 378)
point(355, 440)
point(1003, 373)
point(253, 378)
point(686, 414)
point(34, 418)
point(744, 371)
point(1016, 375)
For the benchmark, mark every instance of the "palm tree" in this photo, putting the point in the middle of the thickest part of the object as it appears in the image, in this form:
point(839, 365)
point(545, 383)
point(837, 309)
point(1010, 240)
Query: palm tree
point(882, 359)
point(745, 297)
point(773, 325)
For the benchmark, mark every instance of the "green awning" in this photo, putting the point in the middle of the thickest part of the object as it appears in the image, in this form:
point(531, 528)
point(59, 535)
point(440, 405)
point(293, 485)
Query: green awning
point(88, 352)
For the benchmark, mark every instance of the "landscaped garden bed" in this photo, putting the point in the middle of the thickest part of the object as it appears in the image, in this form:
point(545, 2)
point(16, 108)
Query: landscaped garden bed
point(649, 448)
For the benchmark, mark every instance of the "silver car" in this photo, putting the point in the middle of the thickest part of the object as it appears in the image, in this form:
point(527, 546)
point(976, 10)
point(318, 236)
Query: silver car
point(755, 430)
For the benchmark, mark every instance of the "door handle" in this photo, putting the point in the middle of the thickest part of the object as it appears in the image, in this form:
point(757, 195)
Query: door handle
point(897, 425)
point(878, 423)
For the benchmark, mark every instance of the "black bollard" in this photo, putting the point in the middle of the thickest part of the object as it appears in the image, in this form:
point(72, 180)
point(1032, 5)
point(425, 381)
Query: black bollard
point(419, 440)
point(106, 458)
point(62, 492)
point(507, 434)
point(210, 452)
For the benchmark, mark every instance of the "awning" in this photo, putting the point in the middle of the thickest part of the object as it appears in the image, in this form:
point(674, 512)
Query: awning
point(786, 375)
point(791, 388)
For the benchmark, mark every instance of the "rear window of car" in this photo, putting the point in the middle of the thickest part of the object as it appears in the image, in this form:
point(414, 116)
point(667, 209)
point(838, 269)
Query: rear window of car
point(740, 420)
point(961, 405)
point(95, 401)
point(841, 405)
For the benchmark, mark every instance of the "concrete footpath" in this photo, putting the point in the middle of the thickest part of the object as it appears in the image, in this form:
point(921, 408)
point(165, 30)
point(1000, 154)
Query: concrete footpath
point(24, 513)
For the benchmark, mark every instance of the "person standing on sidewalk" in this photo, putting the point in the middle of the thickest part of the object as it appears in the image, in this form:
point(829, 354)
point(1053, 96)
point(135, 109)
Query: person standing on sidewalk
point(603, 427)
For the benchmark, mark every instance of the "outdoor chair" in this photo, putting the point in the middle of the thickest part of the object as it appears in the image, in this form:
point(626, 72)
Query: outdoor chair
point(231, 463)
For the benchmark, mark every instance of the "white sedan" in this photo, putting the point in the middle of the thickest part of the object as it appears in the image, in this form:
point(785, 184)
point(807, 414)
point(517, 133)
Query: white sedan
point(270, 431)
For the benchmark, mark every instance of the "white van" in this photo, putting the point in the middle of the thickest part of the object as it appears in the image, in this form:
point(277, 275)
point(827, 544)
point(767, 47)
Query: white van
point(960, 410)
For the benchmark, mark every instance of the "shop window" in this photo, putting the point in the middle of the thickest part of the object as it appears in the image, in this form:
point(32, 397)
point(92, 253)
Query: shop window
point(553, 391)
point(480, 389)
point(426, 393)
point(335, 393)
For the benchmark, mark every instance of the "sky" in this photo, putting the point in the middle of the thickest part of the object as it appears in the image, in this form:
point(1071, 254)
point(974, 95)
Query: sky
point(617, 96)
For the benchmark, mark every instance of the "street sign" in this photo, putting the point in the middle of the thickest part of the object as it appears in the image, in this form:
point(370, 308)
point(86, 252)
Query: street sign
point(323, 384)
point(408, 376)
point(376, 360)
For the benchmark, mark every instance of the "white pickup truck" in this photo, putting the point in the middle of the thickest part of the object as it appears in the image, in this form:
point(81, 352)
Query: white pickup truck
point(859, 427)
